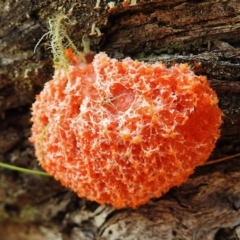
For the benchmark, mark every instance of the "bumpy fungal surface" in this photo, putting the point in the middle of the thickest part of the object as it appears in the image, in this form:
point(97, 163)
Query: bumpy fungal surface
point(124, 132)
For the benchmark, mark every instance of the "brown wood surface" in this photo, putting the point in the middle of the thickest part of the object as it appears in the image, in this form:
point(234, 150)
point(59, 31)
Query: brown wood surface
point(205, 34)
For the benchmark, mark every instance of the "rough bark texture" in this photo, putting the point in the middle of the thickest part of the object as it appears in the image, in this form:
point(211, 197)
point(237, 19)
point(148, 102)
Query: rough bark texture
point(203, 33)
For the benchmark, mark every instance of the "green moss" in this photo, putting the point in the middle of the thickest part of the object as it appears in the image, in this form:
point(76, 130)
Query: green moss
point(172, 48)
point(29, 213)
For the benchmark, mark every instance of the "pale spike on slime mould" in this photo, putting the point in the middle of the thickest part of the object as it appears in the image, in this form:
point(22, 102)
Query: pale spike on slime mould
point(95, 31)
point(111, 4)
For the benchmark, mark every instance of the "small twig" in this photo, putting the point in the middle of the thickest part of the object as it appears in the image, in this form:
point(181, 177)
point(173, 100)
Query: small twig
point(221, 159)
point(24, 170)
point(35, 172)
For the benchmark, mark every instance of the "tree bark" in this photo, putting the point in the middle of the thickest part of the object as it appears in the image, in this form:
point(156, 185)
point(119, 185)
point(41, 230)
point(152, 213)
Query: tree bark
point(204, 34)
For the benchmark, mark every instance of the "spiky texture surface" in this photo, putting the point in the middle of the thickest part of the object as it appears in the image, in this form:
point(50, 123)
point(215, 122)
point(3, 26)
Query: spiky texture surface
point(124, 132)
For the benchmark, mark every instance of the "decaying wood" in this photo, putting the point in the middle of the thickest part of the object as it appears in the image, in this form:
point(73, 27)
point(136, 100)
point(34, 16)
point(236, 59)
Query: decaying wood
point(204, 34)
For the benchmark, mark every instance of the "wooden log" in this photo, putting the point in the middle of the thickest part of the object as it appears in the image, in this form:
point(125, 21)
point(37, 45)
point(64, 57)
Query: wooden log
point(204, 34)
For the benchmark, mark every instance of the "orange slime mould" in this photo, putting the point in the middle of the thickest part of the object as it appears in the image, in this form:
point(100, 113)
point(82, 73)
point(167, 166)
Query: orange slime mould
point(123, 132)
